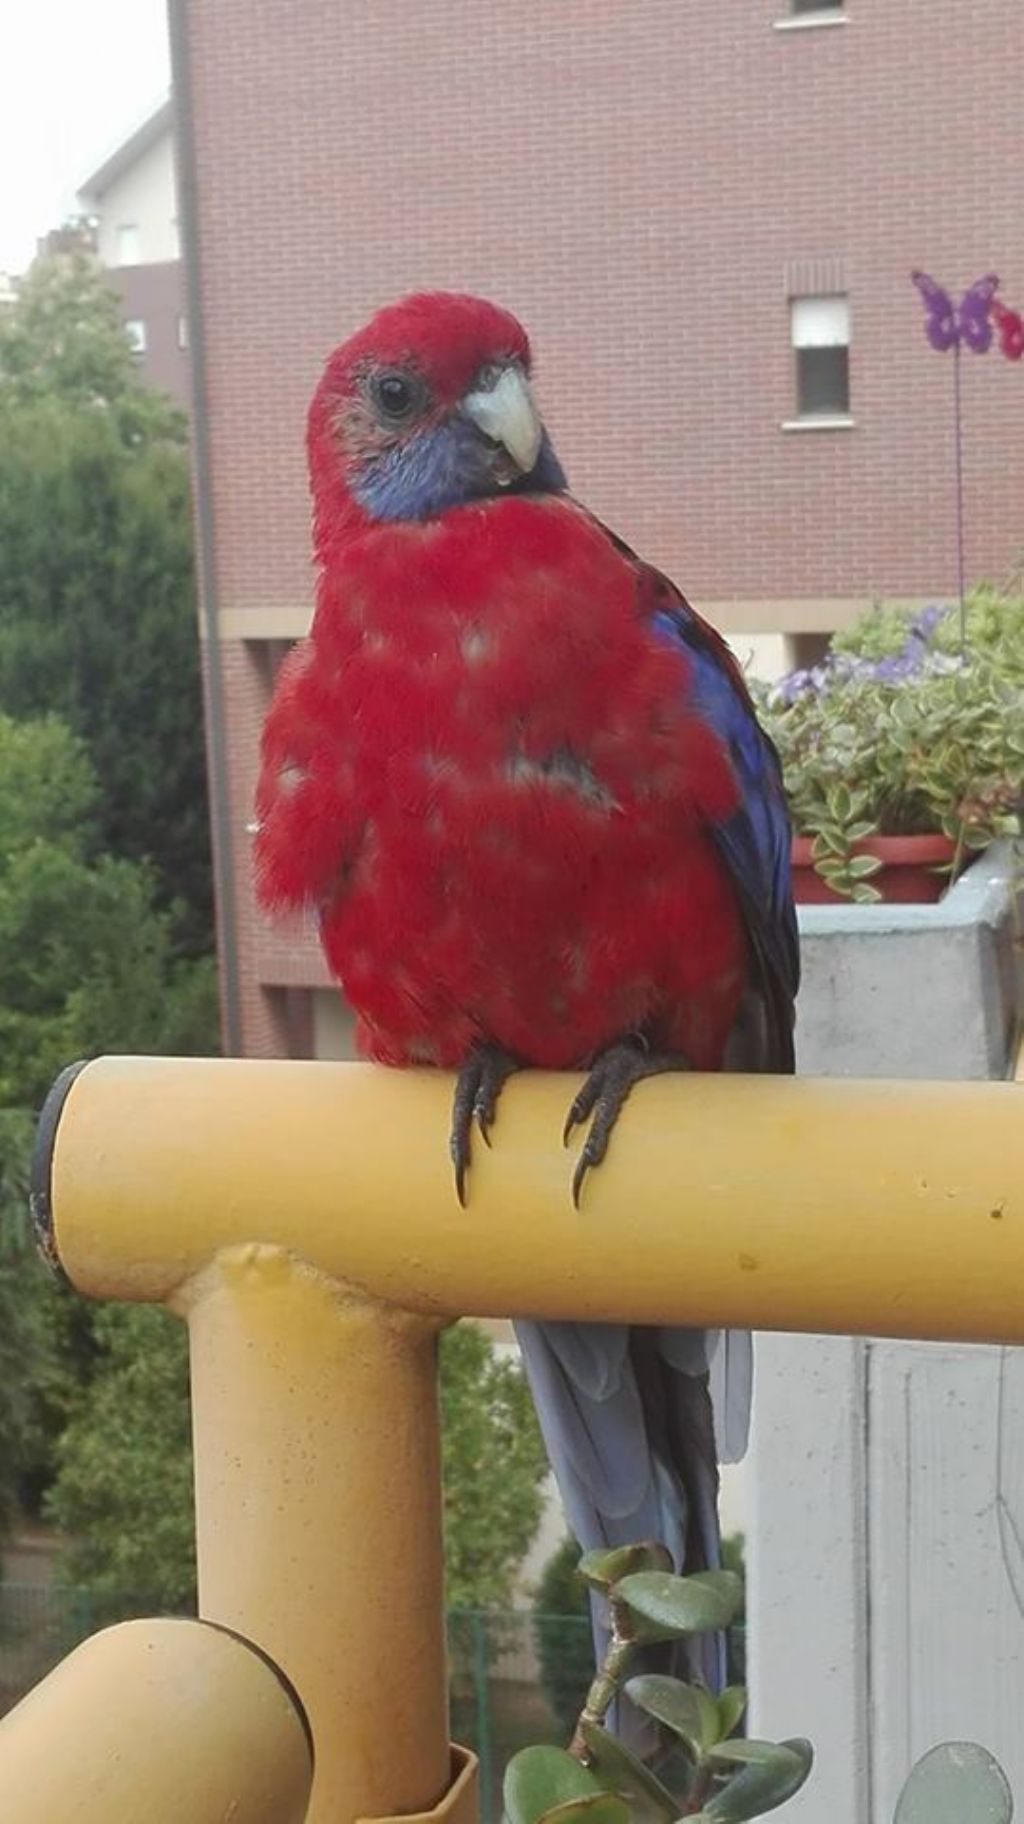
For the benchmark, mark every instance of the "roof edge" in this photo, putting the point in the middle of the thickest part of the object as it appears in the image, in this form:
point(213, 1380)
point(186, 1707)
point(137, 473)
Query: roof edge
point(145, 135)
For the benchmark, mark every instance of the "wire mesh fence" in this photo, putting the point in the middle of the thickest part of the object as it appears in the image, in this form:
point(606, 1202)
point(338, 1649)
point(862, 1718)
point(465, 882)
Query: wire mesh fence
point(40, 1623)
point(516, 1677)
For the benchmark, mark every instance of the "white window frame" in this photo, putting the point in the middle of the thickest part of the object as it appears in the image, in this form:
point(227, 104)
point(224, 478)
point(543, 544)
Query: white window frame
point(821, 321)
point(128, 232)
point(824, 15)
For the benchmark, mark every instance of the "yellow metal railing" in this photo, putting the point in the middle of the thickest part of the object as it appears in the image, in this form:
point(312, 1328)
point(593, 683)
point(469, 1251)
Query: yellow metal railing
point(302, 1219)
point(157, 1722)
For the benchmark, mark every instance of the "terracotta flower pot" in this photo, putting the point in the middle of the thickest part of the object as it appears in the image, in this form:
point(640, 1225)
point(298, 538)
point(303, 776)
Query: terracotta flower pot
point(908, 873)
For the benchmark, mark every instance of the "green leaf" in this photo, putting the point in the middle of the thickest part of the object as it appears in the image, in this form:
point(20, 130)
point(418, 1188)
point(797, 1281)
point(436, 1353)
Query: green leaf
point(956, 1783)
point(620, 1771)
point(665, 1606)
point(841, 804)
point(862, 865)
point(539, 1780)
point(685, 1709)
point(760, 1784)
point(596, 1808)
point(731, 1704)
point(602, 1569)
point(744, 1748)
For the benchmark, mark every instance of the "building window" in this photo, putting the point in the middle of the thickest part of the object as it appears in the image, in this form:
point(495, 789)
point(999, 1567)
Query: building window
point(820, 329)
point(127, 237)
point(182, 332)
point(135, 330)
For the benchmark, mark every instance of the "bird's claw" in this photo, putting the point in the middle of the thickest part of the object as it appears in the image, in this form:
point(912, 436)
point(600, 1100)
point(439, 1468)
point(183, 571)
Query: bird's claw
point(581, 1106)
point(607, 1086)
point(477, 1089)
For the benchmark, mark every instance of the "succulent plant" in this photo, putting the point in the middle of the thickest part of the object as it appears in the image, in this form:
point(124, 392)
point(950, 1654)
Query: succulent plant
point(709, 1774)
point(720, 1778)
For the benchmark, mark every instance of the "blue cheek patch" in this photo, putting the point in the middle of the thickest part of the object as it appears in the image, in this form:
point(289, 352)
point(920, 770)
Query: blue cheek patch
point(443, 467)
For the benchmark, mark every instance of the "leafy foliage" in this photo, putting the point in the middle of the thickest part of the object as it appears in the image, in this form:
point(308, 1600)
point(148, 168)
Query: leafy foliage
point(494, 1465)
point(956, 1783)
point(34, 1381)
point(97, 595)
point(100, 750)
point(123, 1491)
point(899, 733)
point(565, 1656)
point(88, 962)
point(63, 340)
point(600, 1781)
point(705, 1772)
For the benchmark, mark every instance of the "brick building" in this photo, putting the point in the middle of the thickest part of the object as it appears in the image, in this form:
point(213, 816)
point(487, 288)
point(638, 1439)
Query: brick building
point(705, 213)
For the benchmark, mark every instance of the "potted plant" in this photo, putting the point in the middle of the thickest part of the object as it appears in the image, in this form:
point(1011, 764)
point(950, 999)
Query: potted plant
point(902, 753)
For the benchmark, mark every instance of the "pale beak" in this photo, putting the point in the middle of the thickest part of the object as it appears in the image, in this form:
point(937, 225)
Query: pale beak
point(507, 414)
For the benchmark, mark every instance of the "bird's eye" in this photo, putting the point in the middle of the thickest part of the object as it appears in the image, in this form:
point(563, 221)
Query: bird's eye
point(395, 395)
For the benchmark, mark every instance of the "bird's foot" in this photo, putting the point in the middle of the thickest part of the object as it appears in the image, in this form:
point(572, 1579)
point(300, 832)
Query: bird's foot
point(608, 1084)
point(480, 1082)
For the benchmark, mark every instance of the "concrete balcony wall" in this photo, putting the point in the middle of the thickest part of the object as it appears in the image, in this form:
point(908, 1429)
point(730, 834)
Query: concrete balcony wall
point(886, 1608)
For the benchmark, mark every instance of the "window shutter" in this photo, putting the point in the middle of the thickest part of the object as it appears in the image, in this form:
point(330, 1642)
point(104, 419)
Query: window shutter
point(820, 322)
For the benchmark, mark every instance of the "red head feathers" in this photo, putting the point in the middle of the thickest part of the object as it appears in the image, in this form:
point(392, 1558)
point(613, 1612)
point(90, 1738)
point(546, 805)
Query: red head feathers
point(424, 409)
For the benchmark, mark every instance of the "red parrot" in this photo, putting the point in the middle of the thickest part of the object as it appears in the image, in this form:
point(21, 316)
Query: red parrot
point(523, 786)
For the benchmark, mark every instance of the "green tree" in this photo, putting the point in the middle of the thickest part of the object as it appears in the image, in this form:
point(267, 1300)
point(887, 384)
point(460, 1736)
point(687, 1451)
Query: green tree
point(88, 961)
point(561, 1631)
point(31, 1377)
point(123, 1492)
point(64, 340)
point(494, 1466)
point(97, 592)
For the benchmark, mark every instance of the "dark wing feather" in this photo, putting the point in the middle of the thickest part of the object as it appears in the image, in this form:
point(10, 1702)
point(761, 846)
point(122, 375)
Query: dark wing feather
point(755, 841)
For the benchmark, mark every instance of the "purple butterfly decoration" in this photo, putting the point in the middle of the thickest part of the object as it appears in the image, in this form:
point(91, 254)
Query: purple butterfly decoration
point(947, 324)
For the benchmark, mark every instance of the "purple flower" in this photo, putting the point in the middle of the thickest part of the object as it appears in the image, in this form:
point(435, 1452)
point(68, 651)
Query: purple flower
point(795, 684)
point(928, 619)
point(915, 657)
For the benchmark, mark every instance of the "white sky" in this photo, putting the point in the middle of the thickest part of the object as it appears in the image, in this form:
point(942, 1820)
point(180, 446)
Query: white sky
point(76, 77)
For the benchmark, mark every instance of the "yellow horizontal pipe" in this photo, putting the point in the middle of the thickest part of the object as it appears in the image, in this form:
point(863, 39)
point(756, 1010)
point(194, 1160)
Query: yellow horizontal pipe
point(161, 1721)
point(826, 1205)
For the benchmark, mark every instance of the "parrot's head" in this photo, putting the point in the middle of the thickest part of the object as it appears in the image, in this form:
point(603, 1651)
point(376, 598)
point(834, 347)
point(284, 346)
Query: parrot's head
point(426, 408)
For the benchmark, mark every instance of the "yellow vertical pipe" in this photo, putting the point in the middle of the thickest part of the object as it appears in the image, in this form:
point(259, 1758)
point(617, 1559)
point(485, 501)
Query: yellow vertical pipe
point(157, 1722)
point(318, 1515)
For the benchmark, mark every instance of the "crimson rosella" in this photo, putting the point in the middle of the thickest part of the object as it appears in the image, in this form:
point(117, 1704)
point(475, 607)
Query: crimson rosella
point(522, 785)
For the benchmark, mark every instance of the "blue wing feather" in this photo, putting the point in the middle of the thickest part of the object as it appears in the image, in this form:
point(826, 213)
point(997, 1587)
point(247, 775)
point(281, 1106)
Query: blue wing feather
point(755, 841)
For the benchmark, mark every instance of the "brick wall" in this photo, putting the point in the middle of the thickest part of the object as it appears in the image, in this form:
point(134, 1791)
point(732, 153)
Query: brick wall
point(633, 181)
point(639, 182)
point(152, 295)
